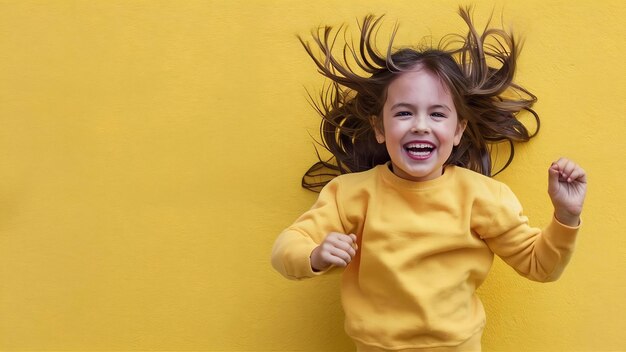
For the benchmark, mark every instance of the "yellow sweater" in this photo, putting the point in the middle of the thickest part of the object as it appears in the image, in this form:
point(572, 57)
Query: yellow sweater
point(424, 248)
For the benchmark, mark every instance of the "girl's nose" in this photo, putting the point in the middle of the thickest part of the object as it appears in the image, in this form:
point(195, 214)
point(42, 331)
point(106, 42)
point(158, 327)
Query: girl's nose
point(420, 126)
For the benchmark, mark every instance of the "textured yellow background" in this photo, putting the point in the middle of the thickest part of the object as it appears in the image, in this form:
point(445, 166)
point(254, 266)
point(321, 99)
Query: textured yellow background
point(151, 151)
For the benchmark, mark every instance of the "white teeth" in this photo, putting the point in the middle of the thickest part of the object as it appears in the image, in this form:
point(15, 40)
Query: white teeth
point(419, 153)
point(419, 149)
point(419, 145)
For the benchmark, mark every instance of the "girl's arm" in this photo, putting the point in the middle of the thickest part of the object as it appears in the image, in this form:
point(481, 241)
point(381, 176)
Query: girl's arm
point(539, 255)
point(315, 241)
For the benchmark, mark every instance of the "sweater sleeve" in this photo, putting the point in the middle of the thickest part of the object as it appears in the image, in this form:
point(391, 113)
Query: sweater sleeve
point(539, 255)
point(292, 249)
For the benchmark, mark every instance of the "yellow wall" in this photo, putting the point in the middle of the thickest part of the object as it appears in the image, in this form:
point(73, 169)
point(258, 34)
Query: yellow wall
point(151, 151)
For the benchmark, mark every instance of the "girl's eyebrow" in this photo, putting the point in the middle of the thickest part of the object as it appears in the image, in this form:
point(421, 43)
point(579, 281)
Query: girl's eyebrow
point(441, 106)
point(401, 105)
point(407, 105)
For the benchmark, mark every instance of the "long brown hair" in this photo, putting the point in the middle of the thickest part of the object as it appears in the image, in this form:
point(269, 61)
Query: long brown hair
point(351, 105)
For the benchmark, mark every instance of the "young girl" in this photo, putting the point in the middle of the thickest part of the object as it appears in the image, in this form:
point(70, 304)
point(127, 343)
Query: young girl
point(414, 218)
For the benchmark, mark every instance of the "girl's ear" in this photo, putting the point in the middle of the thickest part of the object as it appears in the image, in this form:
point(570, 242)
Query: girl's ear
point(460, 128)
point(380, 135)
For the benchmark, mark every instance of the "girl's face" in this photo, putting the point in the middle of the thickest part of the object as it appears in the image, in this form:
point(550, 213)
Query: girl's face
point(420, 125)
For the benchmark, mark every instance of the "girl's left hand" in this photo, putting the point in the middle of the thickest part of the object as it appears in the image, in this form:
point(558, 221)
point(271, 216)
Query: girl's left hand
point(567, 187)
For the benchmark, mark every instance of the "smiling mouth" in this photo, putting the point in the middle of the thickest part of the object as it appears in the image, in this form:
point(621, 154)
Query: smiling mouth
point(419, 150)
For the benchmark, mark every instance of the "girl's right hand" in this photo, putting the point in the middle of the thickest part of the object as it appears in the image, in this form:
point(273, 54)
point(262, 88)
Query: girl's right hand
point(337, 249)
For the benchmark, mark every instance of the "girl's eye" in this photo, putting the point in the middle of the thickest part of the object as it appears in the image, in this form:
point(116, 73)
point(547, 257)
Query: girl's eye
point(402, 113)
point(438, 114)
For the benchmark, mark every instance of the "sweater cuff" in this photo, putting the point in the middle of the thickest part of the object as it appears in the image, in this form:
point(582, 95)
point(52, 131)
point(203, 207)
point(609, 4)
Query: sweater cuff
point(296, 258)
point(562, 236)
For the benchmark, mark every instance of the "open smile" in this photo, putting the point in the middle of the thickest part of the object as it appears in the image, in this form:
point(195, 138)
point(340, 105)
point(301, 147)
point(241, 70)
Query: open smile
point(419, 150)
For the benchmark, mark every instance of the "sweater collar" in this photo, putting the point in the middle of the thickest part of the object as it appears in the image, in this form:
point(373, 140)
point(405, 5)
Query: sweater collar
point(398, 182)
